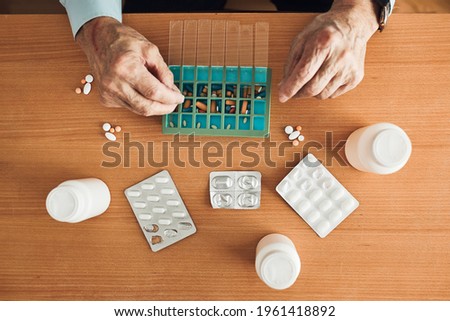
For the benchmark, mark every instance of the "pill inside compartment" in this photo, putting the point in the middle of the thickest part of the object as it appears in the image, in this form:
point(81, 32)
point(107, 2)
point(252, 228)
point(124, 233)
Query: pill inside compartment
point(223, 200)
point(248, 182)
point(248, 200)
point(222, 182)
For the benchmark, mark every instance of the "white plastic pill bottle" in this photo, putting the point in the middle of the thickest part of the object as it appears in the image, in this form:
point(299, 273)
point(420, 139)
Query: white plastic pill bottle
point(381, 148)
point(77, 200)
point(277, 261)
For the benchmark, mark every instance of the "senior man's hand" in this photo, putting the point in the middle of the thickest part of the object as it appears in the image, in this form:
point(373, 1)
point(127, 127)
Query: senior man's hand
point(327, 58)
point(129, 69)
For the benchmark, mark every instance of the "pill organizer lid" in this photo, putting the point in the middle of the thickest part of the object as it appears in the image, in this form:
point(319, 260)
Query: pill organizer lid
point(63, 203)
point(392, 147)
point(279, 270)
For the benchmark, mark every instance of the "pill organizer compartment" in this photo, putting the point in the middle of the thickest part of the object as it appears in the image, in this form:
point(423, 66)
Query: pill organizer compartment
point(160, 211)
point(221, 101)
point(317, 196)
point(235, 189)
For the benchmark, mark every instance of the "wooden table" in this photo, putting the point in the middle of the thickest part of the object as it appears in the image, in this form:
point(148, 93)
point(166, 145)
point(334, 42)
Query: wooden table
point(395, 246)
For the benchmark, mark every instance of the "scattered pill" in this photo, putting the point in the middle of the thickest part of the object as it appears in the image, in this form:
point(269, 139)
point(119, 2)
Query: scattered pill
point(83, 81)
point(110, 136)
point(295, 142)
point(78, 90)
point(89, 78)
point(118, 129)
point(288, 130)
point(112, 130)
point(299, 128)
point(301, 138)
point(87, 88)
point(294, 135)
point(106, 127)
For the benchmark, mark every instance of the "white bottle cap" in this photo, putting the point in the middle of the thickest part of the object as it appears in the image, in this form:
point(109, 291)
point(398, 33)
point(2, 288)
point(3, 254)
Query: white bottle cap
point(63, 203)
point(391, 148)
point(279, 270)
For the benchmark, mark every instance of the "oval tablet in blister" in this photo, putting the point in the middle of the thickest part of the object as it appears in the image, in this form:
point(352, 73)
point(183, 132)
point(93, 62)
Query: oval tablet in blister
point(167, 191)
point(162, 180)
point(140, 204)
point(145, 217)
point(172, 203)
point(159, 210)
point(148, 186)
point(134, 193)
point(247, 182)
point(164, 221)
point(153, 198)
point(347, 204)
point(222, 182)
point(179, 214)
point(248, 200)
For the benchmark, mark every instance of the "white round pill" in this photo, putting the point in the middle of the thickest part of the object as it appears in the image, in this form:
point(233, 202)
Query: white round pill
point(89, 78)
point(294, 135)
point(301, 138)
point(106, 127)
point(110, 136)
point(87, 88)
point(288, 130)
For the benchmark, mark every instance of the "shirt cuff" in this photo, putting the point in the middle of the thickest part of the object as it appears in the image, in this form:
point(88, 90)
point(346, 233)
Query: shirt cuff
point(82, 11)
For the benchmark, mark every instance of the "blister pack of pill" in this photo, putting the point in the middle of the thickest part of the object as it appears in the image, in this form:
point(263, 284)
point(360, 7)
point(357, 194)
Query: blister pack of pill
point(160, 211)
point(317, 196)
point(235, 189)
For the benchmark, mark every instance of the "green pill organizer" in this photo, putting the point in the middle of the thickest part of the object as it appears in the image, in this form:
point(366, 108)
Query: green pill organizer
point(221, 101)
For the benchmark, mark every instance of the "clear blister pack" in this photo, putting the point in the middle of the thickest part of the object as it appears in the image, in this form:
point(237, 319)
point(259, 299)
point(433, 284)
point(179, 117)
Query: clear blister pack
point(235, 189)
point(160, 211)
point(317, 196)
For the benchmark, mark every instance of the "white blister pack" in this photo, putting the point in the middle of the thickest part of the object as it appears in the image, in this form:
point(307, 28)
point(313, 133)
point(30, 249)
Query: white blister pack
point(235, 189)
point(317, 196)
point(160, 211)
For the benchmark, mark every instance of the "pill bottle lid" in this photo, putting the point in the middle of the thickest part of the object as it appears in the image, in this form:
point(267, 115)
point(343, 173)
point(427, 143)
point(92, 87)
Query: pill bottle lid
point(392, 147)
point(63, 203)
point(279, 270)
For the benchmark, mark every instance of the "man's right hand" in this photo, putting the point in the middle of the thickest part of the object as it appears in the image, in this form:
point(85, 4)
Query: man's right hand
point(129, 69)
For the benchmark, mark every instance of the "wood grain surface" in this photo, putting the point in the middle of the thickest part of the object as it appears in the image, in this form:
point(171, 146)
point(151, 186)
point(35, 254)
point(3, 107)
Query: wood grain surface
point(395, 246)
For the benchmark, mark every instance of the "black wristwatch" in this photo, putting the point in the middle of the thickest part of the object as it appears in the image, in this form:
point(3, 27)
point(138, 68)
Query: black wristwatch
point(385, 9)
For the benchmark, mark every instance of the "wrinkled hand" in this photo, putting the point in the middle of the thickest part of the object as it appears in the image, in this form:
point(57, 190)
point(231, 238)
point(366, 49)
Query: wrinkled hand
point(327, 58)
point(129, 70)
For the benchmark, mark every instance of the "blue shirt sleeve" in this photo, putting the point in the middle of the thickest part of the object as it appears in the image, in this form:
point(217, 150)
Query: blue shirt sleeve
point(82, 11)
